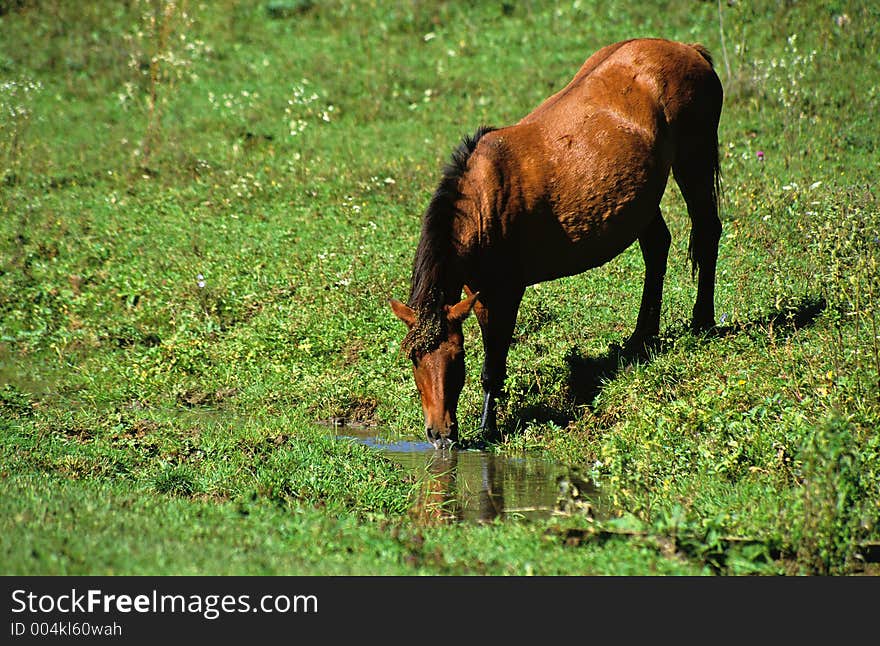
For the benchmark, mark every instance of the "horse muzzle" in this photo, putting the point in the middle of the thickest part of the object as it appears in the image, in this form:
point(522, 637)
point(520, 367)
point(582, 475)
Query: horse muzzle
point(442, 438)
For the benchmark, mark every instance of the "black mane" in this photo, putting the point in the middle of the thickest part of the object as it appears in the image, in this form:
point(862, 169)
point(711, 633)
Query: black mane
point(434, 245)
point(434, 251)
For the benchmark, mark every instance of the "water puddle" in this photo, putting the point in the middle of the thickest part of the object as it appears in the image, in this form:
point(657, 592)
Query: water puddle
point(480, 486)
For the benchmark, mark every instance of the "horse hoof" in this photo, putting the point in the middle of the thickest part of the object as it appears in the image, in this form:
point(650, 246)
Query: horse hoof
point(703, 327)
point(639, 345)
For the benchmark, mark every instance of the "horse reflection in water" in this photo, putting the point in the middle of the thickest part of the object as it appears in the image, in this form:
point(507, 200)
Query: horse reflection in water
point(446, 497)
point(470, 485)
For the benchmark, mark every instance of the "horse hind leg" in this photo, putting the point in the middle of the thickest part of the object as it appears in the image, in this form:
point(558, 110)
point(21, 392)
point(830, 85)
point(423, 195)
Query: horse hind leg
point(654, 243)
point(696, 173)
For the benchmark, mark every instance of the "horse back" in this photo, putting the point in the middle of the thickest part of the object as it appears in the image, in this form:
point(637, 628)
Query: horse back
point(581, 175)
point(634, 75)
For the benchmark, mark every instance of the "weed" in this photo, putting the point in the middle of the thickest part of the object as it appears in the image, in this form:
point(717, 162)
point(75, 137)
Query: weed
point(16, 113)
point(837, 499)
point(846, 241)
point(161, 54)
point(177, 481)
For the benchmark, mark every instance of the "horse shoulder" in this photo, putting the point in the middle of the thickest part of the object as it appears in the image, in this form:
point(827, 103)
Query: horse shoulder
point(507, 175)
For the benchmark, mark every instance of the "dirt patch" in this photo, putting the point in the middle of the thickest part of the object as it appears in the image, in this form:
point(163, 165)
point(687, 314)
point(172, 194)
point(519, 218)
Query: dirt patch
point(357, 412)
point(15, 402)
point(141, 428)
point(198, 397)
point(77, 433)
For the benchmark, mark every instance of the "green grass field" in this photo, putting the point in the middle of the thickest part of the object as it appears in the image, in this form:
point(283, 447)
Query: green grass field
point(205, 207)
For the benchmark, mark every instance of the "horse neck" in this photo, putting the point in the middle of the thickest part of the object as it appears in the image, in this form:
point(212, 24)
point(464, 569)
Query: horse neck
point(437, 280)
point(439, 267)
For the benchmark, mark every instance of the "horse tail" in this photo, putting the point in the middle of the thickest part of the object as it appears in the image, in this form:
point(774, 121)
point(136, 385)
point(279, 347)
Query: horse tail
point(715, 196)
point(700, 179)
point(702, 51)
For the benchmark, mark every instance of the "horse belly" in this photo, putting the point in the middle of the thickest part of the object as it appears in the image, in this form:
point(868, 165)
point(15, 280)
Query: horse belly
point(555, 251)
point(581, 228)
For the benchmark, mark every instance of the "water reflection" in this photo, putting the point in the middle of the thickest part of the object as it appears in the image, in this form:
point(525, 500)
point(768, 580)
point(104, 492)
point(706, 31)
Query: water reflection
point(462, 486)
point(475, 486)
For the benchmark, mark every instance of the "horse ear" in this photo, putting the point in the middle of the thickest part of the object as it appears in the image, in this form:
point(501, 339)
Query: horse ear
point(460, 311)
point(403, 312)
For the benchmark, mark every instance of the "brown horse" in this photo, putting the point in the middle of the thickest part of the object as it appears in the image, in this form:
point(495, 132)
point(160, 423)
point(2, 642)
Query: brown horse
point(566, 189)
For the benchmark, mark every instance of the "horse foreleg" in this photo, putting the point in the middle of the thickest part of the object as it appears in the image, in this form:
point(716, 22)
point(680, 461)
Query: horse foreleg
point(489, 420)
point(496, 315)
point(654, 242)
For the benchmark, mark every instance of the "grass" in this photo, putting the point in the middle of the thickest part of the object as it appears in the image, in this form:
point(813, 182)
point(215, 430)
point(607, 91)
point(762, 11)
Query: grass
point(205, 208)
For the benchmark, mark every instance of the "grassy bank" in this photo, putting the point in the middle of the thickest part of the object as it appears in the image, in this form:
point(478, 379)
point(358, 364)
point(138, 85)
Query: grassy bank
point(206, 206)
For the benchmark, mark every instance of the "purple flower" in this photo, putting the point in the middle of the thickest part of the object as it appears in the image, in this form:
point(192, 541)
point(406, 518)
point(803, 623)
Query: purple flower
point(760, 155)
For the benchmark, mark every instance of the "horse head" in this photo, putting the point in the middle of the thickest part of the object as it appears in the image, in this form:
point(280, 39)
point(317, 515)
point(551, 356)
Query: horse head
point(435, 344)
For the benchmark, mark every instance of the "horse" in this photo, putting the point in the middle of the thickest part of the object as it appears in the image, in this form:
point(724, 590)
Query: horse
point(567, 188)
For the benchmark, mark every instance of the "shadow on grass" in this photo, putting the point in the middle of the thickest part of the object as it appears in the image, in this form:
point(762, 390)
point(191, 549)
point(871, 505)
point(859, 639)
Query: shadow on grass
point(588, 374)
